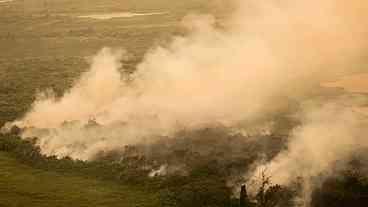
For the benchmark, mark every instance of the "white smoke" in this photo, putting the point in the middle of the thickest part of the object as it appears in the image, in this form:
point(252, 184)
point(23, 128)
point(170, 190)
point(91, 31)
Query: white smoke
point(240, 70)
point(328, 137)
point(97, 88)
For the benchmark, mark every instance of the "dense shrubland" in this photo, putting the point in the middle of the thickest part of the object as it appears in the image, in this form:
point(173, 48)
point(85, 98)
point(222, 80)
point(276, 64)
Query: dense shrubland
point(197, 168)
point(194, 173)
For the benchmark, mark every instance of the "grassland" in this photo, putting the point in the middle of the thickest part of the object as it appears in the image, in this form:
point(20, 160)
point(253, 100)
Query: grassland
point(22, 185)
point(44, 45)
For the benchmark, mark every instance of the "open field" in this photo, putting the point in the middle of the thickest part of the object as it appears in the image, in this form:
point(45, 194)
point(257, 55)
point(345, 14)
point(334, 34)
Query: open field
point(43, 44)
point(22, 185)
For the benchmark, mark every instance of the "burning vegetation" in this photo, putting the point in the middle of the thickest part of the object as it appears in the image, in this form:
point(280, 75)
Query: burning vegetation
point(233, 113)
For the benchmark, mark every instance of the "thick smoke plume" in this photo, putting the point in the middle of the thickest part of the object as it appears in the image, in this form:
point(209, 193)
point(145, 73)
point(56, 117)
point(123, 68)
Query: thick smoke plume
point(329, 136)
point(236, 72)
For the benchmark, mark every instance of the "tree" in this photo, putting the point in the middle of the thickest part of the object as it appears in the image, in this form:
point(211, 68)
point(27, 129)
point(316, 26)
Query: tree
point(244, 199)
point(269, 195)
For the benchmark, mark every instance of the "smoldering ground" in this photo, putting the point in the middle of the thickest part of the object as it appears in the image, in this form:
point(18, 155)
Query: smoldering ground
point(264, 61)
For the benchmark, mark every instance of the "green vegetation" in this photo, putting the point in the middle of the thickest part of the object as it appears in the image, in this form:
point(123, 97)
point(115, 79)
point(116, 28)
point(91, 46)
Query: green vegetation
point(44, 45)
point(203, 186)
point(22, 185)
point(29, 178)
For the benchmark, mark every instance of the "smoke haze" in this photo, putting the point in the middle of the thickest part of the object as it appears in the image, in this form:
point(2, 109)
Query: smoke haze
point(234, 72)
